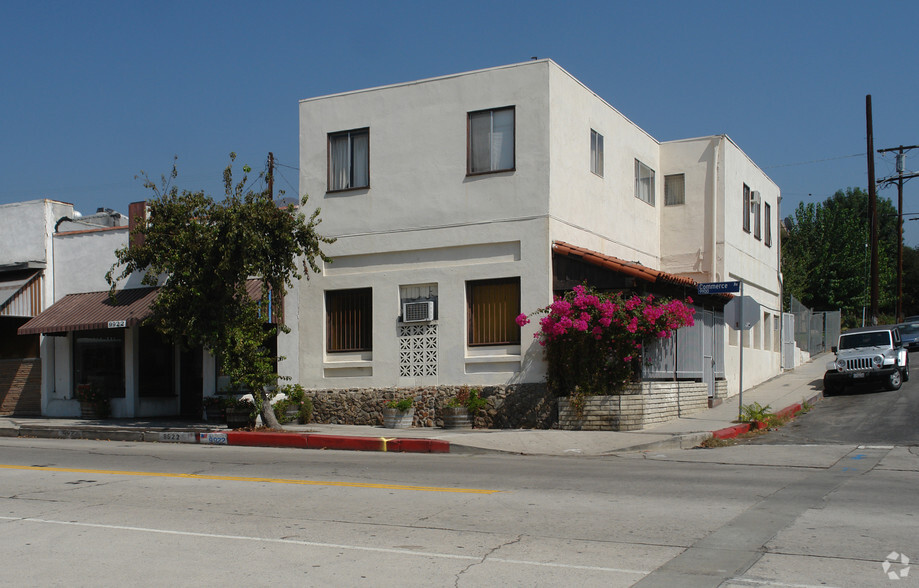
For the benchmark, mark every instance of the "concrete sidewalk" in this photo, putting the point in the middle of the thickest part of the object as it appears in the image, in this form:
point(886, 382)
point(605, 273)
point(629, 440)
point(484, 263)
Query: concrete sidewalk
point(794, 387)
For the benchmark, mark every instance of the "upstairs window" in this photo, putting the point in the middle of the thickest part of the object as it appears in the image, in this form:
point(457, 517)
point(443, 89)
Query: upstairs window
point(746, 208)
point(644, 182)
point(490, 146)
point(757, 221)
point(349, 160)
point(596, 153)
point(349, 320)
point(674, 189)
point(493, 309)
point(767, 215)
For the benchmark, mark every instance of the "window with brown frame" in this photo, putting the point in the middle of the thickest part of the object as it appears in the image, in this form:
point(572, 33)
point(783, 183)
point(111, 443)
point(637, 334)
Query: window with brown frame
point(493, 306)
point(349, 320)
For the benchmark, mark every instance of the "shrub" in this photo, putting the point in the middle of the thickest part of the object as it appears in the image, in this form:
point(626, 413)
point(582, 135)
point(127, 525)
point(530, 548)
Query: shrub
point(594, 341)
point(402, 404)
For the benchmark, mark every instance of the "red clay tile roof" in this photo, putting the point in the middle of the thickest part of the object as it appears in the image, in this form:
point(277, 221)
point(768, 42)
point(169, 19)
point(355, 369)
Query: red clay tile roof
point(629, 268)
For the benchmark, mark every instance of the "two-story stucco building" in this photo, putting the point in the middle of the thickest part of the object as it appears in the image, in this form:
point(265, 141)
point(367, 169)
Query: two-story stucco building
point(459, 201)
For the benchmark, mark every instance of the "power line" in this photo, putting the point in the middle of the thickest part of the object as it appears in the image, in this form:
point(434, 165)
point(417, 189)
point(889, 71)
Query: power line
point(815, 161)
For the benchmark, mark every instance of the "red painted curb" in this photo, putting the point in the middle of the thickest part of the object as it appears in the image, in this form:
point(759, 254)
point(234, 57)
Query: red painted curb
point(419, 446)
point(731, 432)
point(789, 411)
point(314, 441)
point(256, 439)
point(343, 442)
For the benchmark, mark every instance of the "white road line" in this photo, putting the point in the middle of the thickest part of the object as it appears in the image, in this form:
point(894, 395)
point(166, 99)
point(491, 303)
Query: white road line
point(329, 545)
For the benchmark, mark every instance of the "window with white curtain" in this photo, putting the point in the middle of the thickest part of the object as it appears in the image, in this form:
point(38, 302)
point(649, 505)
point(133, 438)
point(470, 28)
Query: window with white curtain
point(596, 153)
point(674, 189)
point(490, 141)
point(644, 182)
point(349, 160)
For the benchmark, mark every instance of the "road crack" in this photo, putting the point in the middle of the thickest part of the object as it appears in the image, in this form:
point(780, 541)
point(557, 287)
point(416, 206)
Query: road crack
point(490, 552)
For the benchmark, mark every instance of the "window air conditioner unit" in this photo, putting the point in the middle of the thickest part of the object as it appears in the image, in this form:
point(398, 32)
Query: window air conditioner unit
point(755, 198)
point(418, 312)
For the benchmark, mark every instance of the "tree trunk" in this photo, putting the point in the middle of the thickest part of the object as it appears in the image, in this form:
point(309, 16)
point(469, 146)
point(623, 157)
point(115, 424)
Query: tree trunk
point(268, 418)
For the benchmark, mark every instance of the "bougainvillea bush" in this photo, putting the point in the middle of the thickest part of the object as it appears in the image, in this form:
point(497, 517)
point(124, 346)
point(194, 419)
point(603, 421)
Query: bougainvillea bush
point(594, 341)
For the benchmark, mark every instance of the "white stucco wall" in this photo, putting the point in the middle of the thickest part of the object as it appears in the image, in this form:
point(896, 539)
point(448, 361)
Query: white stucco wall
point(26, 227)
point(688, 231)
point(600, 213)
point(424, 221)
point(749, 259)
point(82, 258)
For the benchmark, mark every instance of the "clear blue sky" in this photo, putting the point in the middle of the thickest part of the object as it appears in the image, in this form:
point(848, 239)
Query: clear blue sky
point(93, 92)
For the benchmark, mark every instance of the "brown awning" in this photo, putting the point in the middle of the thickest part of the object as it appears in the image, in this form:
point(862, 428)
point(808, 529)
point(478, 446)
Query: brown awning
point(93, 310)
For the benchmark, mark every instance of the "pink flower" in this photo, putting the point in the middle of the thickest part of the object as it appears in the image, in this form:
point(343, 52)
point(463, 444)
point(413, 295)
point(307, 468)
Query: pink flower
point(522, 320)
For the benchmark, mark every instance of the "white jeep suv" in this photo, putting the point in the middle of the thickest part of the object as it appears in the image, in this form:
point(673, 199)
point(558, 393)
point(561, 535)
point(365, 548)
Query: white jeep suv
point(867, 354)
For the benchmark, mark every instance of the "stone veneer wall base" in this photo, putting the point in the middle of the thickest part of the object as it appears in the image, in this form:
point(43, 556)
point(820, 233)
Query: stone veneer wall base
point(512, 406)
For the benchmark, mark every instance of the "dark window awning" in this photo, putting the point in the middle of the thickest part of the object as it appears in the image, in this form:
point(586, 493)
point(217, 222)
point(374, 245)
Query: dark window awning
point(93, 310)
point(20, 292)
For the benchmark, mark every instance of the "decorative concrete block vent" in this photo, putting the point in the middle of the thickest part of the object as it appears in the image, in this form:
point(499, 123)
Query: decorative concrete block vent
point(637, 406)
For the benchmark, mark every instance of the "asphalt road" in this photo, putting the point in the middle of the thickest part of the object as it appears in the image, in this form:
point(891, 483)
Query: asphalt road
point(84, 513)
point(866, 414)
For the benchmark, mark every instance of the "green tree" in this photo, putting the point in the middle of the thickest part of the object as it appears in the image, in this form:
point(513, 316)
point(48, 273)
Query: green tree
point(202, 253)
point(910, 281)
point(825, 254)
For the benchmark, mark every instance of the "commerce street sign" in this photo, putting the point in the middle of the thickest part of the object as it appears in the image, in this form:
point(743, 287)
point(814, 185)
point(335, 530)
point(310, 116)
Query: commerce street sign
point(719, 287)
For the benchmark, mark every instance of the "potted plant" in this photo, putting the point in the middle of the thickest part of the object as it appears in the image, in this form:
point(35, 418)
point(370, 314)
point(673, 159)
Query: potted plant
point(399, 414)
point(459, 408)
point(240, 412)
point(94, 404)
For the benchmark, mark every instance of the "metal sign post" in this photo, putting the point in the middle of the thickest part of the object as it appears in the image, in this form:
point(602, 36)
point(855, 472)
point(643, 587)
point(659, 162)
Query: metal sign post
point(740, 323)
point(740, 342)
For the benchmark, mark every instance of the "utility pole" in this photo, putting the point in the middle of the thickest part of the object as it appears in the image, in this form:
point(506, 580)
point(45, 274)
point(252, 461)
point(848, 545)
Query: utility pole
point(899, 178)
point(270, 177)
point(873, 214)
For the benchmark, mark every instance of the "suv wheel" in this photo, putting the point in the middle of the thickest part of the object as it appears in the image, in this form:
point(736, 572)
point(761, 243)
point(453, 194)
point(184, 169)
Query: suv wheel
point(894, 381)
point(830, 389)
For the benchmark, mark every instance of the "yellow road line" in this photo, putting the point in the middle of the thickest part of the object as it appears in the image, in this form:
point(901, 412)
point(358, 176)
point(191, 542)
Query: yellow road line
point(246, 479)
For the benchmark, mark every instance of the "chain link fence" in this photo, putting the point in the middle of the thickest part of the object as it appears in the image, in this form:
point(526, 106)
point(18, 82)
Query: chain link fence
point(815, 331)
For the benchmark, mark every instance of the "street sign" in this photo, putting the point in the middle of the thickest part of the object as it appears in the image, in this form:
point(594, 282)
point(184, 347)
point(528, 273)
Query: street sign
point(719, 287)
point(751, 313)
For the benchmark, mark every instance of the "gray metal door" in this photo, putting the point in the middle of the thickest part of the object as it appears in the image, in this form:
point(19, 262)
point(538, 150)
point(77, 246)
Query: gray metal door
point(788, 341)
point(708, 350)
